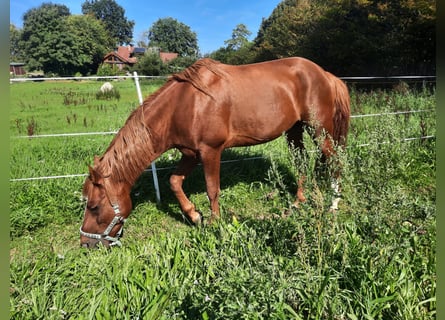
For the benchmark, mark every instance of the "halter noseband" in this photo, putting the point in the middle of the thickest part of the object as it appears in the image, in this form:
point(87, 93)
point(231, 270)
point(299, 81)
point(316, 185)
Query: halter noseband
point(114, 241)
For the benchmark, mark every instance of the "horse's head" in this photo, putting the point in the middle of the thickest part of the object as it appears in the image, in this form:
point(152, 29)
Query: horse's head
point(108, 204)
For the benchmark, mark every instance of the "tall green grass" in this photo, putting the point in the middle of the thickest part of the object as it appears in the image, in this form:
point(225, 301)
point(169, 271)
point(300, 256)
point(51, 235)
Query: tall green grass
point(372, 259)
point(69, 106)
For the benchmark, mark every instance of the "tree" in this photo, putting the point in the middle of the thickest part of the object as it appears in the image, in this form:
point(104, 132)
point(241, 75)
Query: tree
point(347, 37)
point(14, 40)
point(282, 33)
point(238, 49)
point(170, 35)
point(239, 37)
point(410, 29)
point(54, 41)
point(45, 41)
point(113, 17)
point(92, 42)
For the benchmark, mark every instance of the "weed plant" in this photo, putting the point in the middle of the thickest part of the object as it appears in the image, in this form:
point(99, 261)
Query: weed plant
point(374, 258)
point(108, 94)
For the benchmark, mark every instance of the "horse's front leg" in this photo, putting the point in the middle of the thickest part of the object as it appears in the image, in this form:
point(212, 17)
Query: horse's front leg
point(186, 165)
point(211, 161)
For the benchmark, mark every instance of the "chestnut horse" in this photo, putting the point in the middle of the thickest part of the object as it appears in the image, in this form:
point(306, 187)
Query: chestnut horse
point(201, 111)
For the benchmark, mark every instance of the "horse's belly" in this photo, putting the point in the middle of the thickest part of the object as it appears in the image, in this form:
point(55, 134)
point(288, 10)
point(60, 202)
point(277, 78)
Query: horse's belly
point(248, 140)
point(260, 129)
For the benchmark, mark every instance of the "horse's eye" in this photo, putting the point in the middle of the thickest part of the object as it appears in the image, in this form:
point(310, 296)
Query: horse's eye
point(93, 208)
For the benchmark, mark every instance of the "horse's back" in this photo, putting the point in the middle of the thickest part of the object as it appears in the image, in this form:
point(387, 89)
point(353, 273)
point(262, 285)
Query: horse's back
point(254, 103)
point(272, 82)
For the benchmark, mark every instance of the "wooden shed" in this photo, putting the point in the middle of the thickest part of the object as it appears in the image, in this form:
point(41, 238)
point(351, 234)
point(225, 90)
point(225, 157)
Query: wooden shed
point(17, 69)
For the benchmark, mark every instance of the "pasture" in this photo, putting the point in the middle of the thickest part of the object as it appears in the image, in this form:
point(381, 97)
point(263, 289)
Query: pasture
point(375, 258)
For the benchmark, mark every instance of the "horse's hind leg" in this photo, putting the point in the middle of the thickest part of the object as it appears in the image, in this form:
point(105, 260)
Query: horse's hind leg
point(186, 165)
point(294, 138)
point(211, 161)
point(329, 158)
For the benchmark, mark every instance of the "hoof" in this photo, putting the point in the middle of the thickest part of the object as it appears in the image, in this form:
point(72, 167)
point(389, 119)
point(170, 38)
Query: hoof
point(196, 221)
point(334, 205)
point(199, 220)
point(296, 204)
point(212, 219)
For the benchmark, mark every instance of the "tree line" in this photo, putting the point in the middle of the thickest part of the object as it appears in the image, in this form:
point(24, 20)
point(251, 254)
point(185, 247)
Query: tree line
point(56, 42)
point(346, 37)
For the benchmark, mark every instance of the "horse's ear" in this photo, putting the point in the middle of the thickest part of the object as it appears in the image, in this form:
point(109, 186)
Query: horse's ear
point(95, 177)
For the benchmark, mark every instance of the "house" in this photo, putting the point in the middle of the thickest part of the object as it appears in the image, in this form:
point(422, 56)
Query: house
point(124, 56)
point(127, 56)
point(16, 69)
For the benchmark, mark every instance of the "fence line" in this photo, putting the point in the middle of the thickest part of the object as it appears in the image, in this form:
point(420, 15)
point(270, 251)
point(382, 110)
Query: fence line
point(222, 162)
point(67, 134)
point(84, 78)
point(146, 170)
point(390, 113)
point(388, 77)
point(49, 177)
point(165, 77)
point(114, 132)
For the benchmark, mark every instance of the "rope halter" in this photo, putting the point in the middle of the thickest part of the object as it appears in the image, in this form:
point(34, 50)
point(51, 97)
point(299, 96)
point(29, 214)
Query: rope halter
point(114, 241)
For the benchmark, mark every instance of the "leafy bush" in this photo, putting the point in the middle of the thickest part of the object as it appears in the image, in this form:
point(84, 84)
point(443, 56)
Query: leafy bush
point(180, 63)
point(151, 65)
point(107, 69)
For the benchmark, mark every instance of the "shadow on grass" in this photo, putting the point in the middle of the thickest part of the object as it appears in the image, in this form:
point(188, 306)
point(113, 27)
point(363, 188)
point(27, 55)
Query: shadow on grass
point(236, 168)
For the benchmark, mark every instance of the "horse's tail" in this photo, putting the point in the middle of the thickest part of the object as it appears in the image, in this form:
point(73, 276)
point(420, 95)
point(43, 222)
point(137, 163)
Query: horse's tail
point(342, 110)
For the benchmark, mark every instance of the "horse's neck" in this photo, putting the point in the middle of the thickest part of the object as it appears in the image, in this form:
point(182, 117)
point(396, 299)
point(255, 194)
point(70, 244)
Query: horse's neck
point(135, 146)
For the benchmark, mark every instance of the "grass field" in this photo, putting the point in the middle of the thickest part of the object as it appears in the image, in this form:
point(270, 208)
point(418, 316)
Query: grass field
point(372, 259)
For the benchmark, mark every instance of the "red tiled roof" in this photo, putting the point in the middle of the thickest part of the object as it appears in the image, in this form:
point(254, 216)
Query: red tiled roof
point(121, 59)
point(125, 52)
point(167, 56)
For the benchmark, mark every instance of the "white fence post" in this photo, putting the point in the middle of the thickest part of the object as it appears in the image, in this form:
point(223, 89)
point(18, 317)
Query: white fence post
point(153, 164)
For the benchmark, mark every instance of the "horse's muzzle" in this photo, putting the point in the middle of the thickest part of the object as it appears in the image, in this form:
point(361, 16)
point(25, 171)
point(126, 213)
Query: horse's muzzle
point(89, 243)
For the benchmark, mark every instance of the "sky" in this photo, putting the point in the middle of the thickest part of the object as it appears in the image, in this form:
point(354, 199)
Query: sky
point(212, 20)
